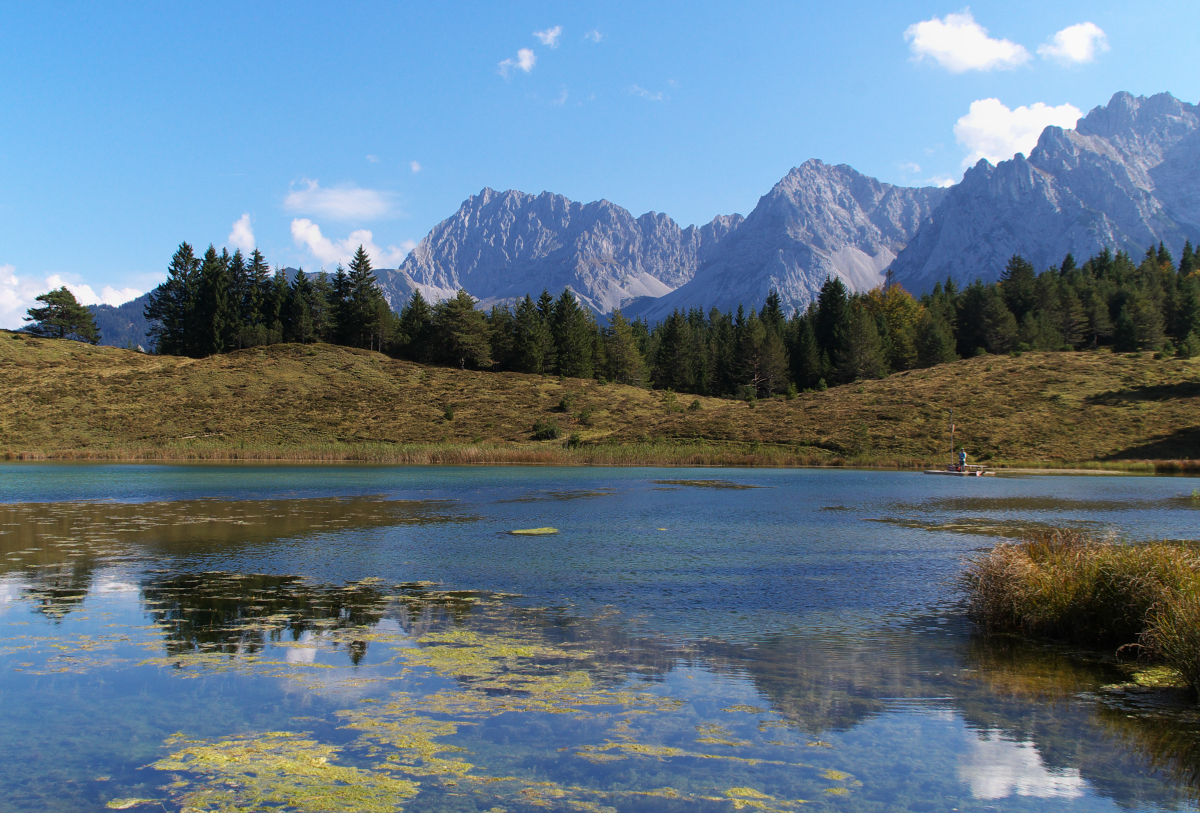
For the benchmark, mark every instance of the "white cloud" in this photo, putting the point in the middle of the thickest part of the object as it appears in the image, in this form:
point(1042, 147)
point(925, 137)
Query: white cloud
point(415, 167)
point(561, 100)
point(242, 236)
point(339, 202)
point(593, 35)
point(1075, 44)
point(374, 159)
point(549, 36)
point(910, 166)
point(944, 181)
point(637, 90)
point(525, 61)
point(958, 44)
point(992, 131)
point(18, 294)
point(331, 252)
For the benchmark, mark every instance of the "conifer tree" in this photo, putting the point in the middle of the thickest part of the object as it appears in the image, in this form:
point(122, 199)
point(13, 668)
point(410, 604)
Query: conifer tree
point(531, 339)
point(62, 317)
point(862, 354)
point(461, 332)
point(572, 331)
point(502, 335)
point(298, 326)
point(622, 361)
point(935, 343)
point(415, 328)
point(170, 307)
point(997, 323)
point(1018, 284)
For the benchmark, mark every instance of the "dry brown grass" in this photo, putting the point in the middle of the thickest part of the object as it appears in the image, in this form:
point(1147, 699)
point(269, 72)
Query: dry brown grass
point(319, 402)
point(1070, 585)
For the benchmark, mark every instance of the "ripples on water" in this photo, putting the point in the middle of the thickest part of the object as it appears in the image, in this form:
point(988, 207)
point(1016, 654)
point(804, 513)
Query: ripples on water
point(252, 638)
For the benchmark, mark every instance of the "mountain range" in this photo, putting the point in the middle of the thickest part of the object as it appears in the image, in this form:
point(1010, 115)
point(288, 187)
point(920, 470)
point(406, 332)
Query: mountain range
point(1127, 177)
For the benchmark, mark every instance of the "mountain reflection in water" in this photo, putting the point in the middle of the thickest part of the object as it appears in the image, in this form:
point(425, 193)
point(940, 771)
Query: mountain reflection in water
point(173, 651)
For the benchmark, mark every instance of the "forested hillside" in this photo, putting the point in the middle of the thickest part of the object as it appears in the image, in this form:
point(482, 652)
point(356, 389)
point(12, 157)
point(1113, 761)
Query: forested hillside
point(220, 303)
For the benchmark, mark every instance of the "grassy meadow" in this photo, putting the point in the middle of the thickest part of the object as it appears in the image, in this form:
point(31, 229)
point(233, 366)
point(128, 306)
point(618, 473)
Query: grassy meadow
point(67, 400)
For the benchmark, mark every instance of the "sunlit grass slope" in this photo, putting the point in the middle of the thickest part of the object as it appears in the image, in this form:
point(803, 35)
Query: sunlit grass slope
point(66, 399)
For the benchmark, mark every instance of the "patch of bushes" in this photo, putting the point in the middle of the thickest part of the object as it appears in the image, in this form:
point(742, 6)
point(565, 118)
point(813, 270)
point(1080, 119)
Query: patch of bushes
point(545, 430)
point(1072, 586)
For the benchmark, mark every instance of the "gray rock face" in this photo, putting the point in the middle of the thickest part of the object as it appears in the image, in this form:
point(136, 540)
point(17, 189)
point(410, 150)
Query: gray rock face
point(1127, 177)
point(818, 221)
point(500, 246)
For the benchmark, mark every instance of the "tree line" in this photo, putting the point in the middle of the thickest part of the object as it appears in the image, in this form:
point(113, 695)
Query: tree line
point(221, 302)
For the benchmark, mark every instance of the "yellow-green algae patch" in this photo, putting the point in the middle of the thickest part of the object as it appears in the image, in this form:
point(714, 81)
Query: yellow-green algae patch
point(534, 531)
point(278, 770)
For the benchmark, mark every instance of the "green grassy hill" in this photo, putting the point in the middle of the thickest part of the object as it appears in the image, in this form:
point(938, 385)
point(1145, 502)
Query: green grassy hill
point(319, 402)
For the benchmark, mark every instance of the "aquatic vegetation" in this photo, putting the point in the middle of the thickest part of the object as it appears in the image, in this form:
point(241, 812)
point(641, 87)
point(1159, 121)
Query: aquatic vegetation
point(719, 484)
point(534, 531)
point(278, 769)
point(1071, 585)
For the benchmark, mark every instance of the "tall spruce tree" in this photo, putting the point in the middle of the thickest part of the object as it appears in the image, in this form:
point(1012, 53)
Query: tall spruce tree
point(461, 332)
point(572, 329)
point(171, 306)
point(622, 361)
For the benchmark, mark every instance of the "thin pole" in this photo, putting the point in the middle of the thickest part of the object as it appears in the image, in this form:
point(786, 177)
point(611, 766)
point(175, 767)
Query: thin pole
point(952, 435)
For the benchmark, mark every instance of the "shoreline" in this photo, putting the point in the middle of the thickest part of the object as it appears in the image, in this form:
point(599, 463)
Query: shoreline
point(649, 455)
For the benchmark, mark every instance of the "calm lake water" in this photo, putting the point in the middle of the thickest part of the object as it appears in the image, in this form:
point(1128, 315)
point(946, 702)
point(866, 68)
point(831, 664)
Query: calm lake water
point(373, 638)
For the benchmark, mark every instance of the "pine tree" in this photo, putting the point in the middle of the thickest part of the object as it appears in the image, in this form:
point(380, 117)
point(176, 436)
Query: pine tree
point(833, 316)
point(671, 367)
point(366, 322)
point(170, 307)
point(805, 356)
point(531, 338)
point(862, 354)
point(461, 332)
point(622, 361)
point(935, 344)
point(772, 315)
point(1018, 283)
point(998, 325)
point(572, 330)
point(62, 317)
point(415, 328)
point(502, 334)
point(215, 323)
point(258, 289)
point(298, 326)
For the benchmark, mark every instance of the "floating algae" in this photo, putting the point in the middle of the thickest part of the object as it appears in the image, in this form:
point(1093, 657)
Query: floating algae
point(534, 531)
point(278, 769)
point(720, 484)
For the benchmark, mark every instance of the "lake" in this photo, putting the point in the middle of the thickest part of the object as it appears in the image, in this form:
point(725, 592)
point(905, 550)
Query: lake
point(232, 638)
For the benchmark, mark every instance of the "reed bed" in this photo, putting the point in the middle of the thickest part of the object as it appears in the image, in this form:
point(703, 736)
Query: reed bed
point(1073, 586)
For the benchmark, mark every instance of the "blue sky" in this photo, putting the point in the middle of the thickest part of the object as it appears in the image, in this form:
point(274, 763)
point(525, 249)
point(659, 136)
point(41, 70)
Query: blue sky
point(300, 127)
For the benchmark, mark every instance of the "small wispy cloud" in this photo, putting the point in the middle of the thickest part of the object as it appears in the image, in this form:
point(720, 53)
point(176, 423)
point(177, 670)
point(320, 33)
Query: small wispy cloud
point(525, 61)
point(561, 100)
point(593, 35)
point(550, 36)
point(339, 202)
point(415, 166)
point(958, 44)
point(1075, 44)
point(944, 181)
point(374, 159)
point(910, 166)
point(307, 234)
point(241, 235)
point(638, 90)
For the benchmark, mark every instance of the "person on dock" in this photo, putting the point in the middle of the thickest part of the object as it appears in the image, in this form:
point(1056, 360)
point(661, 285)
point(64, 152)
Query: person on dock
point(962, 459)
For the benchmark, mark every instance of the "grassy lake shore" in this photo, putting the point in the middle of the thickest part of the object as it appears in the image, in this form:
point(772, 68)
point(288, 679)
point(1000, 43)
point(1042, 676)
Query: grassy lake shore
point(320, 403)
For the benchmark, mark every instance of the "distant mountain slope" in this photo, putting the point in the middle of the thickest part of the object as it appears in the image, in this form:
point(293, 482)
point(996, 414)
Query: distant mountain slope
point(819, 221)
point(1127, 177)
point(123, 325)
point(502, 245)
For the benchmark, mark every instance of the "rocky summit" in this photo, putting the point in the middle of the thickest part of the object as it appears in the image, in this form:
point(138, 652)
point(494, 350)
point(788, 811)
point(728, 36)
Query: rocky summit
point(1125, 178)
point(818, 221)
point(500, 246)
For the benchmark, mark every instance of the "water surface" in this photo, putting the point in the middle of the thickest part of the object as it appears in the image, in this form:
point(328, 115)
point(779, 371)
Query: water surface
point(374, 638)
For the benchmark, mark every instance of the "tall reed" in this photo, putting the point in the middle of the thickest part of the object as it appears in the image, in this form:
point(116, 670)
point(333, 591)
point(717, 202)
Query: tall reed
point(1074, 586)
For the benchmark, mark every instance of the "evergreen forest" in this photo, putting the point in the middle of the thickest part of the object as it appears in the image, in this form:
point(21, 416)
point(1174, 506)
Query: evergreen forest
point(217, 303)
